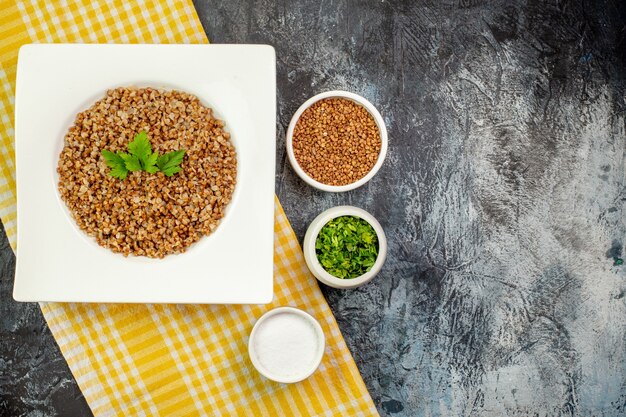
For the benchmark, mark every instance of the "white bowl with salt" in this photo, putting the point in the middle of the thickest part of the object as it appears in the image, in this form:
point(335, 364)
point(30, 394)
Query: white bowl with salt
point(286, 345)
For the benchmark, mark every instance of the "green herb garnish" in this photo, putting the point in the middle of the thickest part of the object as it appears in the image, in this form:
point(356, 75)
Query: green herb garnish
point(141, 158)
point(168, 163)
point(116, 163)
point(347, 247)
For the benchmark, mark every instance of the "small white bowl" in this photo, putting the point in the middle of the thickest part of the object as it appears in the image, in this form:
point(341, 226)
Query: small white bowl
point(311, 236)
point(273, 375)
point(381, 128)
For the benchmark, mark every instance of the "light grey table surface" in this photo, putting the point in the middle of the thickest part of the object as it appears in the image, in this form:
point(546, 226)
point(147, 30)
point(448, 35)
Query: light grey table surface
point(503, 198)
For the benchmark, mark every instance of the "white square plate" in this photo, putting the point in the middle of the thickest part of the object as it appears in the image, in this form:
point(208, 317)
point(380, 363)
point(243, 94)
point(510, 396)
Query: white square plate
point(56, 261)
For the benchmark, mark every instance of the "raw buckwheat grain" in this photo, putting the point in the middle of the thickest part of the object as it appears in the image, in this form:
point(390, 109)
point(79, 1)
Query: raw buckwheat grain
point(336, 141)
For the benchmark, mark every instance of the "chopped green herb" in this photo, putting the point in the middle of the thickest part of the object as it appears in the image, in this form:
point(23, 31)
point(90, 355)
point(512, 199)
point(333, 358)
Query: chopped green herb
point(617, 261)
point(347, 247)
point(141, 158)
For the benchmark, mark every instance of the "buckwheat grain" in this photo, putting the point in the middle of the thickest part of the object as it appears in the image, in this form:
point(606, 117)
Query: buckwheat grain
point(147, 214)
point(336, 141)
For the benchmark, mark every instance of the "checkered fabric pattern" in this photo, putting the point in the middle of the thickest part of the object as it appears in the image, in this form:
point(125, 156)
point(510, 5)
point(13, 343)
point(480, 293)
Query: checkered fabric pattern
point(169, 360)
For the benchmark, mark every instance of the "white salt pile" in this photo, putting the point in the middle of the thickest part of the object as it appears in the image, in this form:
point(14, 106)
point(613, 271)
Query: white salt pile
point(286, 345)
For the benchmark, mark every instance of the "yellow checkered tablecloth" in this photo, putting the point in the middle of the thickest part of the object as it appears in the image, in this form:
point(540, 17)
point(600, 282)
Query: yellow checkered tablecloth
point(169, 360)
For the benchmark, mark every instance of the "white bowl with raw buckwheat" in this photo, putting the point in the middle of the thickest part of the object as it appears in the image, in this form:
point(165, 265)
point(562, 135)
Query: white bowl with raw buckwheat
point(336, 141)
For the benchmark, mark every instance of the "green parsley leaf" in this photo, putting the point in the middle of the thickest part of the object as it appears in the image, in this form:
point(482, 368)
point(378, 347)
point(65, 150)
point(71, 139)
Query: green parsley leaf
point(171, 171)
point(141, 158)
point(131, 161)
point(149, 163)
point(116, 163)
point(119, 172)
point(111, 158)
point(152, 170)
point(169, 163)
point(347, 247)
point(140, 146)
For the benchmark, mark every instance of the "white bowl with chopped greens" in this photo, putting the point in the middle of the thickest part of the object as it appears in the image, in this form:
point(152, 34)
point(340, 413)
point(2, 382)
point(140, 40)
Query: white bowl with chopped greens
point(345, 247)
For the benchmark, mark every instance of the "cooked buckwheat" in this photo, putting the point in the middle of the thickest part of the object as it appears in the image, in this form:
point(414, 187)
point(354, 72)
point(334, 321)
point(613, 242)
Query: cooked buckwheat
point(147, 214)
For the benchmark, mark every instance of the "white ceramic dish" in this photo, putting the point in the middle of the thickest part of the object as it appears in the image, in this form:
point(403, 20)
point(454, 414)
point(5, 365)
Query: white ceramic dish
point(56, 261)
point(311, 236)
point(381, 128)
point(312, 362)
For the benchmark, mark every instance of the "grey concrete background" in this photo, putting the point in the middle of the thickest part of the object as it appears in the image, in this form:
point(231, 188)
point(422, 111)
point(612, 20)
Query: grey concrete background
point(503, 197)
